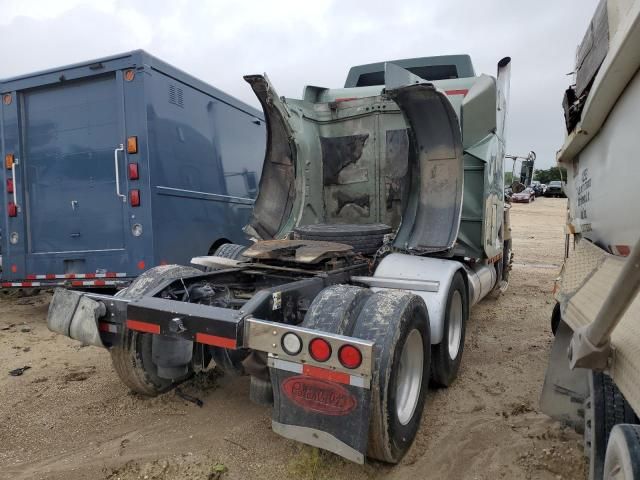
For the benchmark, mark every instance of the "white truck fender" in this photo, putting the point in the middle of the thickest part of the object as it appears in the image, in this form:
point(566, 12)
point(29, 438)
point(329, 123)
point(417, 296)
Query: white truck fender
point(429, 278)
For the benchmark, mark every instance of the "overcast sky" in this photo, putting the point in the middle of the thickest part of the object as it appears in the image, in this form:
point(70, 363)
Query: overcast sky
point(314, 42)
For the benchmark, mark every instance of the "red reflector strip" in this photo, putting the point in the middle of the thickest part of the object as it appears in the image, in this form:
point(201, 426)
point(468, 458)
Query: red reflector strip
point(143, 326)
point(495, 259)
point(216, 341)
point(325, 374)
point(462, 92)
point(12, 209)
point(92, 283)
point(9, 185)
point(87, 275)
point(20, 284)
point(338, 100)
point(107, 327)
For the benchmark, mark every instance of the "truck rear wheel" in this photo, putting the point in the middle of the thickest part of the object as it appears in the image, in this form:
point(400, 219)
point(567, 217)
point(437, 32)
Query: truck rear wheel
point(447, 354)
point(622, 460)
point(605, 408)
point(336, 308)
point(132, 357)
point(398, 323)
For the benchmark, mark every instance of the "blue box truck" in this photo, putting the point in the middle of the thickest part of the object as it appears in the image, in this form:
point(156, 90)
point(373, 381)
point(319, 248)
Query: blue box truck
point(117, 165)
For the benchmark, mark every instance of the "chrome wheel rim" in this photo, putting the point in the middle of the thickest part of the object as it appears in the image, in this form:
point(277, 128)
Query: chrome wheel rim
point(409, 377)
point(454, 335)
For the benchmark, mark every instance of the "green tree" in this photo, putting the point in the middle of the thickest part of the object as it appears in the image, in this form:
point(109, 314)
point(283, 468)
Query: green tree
point(553, 173)
point(508, 178)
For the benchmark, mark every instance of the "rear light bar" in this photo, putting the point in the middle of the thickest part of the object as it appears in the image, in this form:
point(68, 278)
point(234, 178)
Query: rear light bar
point(133, 171)
point(312, 349)
point(12, 209)
point(134, 197)
point(9, 185)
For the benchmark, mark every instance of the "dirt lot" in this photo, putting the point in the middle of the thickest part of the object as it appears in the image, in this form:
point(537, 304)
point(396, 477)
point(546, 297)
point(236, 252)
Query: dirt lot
point(69, 417)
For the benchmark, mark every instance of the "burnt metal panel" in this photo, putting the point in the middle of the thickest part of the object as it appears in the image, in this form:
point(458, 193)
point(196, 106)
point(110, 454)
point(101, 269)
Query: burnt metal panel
point(338, 153)
point(593, 49)
point(396, 165)
point(277, 184)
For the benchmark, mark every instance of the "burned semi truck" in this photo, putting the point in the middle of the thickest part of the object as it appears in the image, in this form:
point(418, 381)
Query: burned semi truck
point(380, 221)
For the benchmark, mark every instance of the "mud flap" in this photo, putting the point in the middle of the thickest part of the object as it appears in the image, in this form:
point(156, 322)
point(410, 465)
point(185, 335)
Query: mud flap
point(321, 413)
point(75, 315)
point(564, 390)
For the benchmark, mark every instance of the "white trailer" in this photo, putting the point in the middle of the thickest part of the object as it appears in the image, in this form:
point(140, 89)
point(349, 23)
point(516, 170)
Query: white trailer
point(597, 317)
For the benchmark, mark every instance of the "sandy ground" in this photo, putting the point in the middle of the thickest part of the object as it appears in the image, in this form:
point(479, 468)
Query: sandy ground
point(69, 417)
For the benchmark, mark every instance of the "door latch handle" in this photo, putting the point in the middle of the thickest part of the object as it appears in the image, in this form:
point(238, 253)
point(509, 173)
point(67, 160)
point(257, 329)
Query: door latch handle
point(115, 160)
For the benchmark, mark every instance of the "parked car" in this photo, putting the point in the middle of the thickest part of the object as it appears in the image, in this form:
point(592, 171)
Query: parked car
point(538, 188)
point(555, 189)
point(508, 191)
point(526, 196)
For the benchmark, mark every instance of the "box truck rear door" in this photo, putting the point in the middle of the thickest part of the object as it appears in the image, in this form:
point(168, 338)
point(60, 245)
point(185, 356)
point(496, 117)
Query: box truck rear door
point(70, 131)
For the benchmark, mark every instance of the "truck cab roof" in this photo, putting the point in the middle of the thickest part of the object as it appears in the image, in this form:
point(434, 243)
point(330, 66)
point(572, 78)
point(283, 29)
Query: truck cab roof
point(442, 67)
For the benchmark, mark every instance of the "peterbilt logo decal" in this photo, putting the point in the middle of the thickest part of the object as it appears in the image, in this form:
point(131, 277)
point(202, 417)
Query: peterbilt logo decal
point(319, 396)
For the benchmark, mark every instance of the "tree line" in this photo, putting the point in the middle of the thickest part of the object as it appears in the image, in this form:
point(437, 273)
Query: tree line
point(543, 176)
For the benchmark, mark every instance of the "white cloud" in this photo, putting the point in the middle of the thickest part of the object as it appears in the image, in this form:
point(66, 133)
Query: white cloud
point(300, 43)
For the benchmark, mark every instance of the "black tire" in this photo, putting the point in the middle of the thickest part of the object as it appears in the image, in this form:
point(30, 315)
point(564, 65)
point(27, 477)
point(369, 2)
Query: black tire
point(364, 239)
point(444, 368)
point(622, 459)
point(230, 250)
point(556, 317)
point(336, 308)
point(389, 318)
point(604, 409)
point(131, 358)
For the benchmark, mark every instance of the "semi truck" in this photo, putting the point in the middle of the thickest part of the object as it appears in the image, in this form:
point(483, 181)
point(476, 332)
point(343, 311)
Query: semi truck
point(593, 377)
point(115, 165)
point(380, 221)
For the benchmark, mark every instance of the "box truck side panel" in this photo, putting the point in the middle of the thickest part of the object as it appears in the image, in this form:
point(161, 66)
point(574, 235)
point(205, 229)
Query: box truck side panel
point(206, 158)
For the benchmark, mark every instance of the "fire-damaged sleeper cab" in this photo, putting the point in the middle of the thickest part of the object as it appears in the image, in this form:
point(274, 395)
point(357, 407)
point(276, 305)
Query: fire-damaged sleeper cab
point(355, 292)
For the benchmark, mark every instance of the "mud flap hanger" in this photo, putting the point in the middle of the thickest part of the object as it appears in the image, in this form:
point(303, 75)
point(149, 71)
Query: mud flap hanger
point(433, 209)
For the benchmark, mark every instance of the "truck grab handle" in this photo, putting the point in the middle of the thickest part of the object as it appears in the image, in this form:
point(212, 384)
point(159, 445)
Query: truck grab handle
point(15, 183)
point(115, 161)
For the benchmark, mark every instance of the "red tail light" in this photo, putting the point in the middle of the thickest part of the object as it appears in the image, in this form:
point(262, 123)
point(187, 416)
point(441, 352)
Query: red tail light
point(134, 197)
point(350, 356)
point(133, 171)
point(12, 208)
point(320, 349)
point(9, 185)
